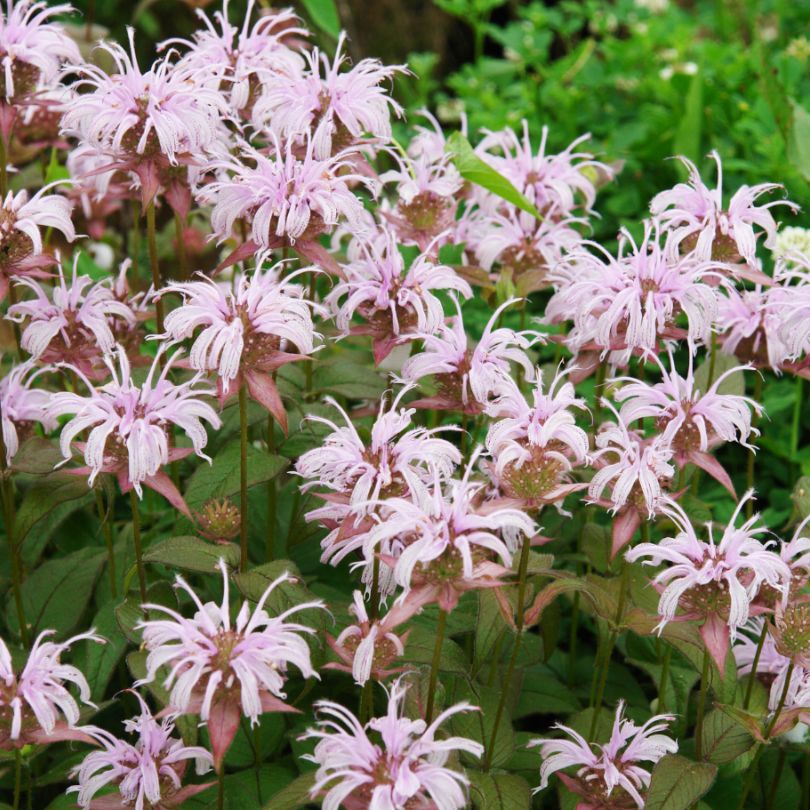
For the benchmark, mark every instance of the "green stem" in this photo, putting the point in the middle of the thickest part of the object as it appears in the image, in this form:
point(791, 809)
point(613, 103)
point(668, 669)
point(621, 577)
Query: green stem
point(221, 788)
point(366, 701)
point(601, 374)
point(796, 422)
point(752, 768)
point(712, 360)
point(662, 684)
point(135, 507)
point(751, 460)
point(374, 606)
point(701, 707)
point(243, 478)
point(108, 540)
point(10, 517)
point(753, 676)
point(780, 765)
point(572, 639)
point(806, 782)
point(182, 257)
point(269, 552)
point(17, 772)
point(3, 167)
point(153, 262)
point(523, 568)
point(434, 665)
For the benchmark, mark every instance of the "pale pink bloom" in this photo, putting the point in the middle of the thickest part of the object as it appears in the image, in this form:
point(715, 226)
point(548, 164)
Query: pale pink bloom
point(75, 324)
point(129, 423)
point(248, 328)
point(615, 764)
point(631, 302)
point(750, 324)
point(145, 122)
point(335, 107)
point(548, 423)
point(241, 61)
point(440, 542)
point(792, 305)
point(21, 243)
point(549, 181)
point(368, 648)
point(632, 466)
point(36, 705)
point(714, 581)
point(148, 772)
point(771, 661)
point(466, 376)
point(32, 49)
point(391, 763)
point(394, 301)
point(223, 669)
point(796, 552)
point(694, 214)
point(398, 458)
point(285, 195)
point(21, 406)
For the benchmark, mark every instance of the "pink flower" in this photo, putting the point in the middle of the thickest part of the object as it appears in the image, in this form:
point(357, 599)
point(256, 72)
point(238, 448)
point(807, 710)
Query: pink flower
point(791, 304)
point(75, 325)
point(392, 762)
point(22, 406)
point(394, 301)
point(549, 181)
point(221, 669)
point(770, 660)
point(691, 421)
point(716, 582)
point(129, 424)
point(440, 544)
point(146, 122)
point(696, 217)
point(796, 553)
point(367, 649)
point(604, 768)
point(468, 377)
point(628, 304)
point(148, 772)
point(36, 705)
point(21, 245)
point(284, 195)
point(535, 446)
point(336, 108)
point(249, 328)
point(244, 60)
point(33, 49)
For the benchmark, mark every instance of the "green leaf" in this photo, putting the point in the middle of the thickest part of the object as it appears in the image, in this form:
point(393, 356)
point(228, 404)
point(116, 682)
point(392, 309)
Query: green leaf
point(37, 456)
point(688, 136)
point(255, 582)
point(325, 15)
point(246, 790)
point(419, 650)
point(801, 496)
point(798, 142)
point(56, 594)
point(502, 791)
point(479, 725)
point(543, 693)
point(475, 170)
point(192, 554)
point(490, 626)
point(677, 783)
point(221, 479)
point(348, 379)
point(294, 795)
point(52, 498)
point(724, 739)
point(98, 661)
point(733, 384)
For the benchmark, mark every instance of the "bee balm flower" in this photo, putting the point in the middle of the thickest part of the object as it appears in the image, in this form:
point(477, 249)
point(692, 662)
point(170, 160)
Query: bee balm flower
point(222, 669)
point(391, 762)
point(21, 406)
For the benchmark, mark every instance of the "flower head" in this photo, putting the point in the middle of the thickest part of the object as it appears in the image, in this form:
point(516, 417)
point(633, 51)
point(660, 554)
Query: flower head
point(336, 107)
point(391, 762)
point(695, 215)
point(223, 669)
point(35, 704)
point(21, 406)
point(609, 775)
point(713, 581)
point(148, 772)
point(129, 423)
point(75, 325)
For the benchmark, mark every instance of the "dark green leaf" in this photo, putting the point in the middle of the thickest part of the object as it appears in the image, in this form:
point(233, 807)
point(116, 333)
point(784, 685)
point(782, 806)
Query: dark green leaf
point(502, 791)
point(677, 783)
point(325, 15)
point(52, 498)
point(192, 554)
point(294, 795)
point(724, 739)
point(98, 661)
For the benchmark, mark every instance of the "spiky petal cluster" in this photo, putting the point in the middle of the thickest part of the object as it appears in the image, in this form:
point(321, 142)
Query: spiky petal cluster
point(129, 423)
point(615, 774)
point(392, 762)
point(35, 704)
point(697, 219)
point(148, 772)
point(248, 328)
point(21, 406)
point(335, 108)
point(714, 582)
point(75, 324)
point(223, 669)
point(395, 302)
